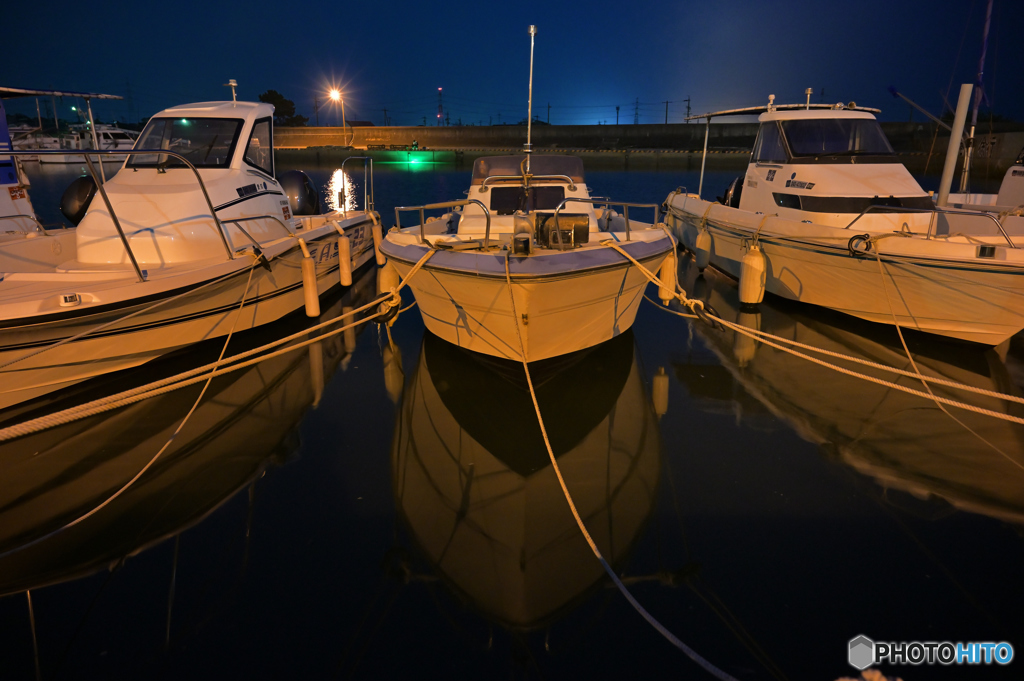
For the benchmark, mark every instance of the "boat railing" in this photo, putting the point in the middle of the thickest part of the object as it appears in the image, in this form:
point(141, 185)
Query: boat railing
point(445, 204)
point(87, 154)
point(608, 203)
point(936, 211)
point(367, 183)
point(25, 216)
point(544, 178)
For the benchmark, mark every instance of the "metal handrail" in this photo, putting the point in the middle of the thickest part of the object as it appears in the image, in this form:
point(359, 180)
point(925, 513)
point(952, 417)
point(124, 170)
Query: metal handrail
point(87, 153)
point(446, 204)
point(936, 210)
point(113, 216)
point(33, 218)
point(367, 204)
point(592, 200)
point(483, 186)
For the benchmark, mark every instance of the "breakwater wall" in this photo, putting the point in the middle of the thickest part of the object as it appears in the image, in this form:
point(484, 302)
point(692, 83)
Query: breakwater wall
point(656, 147)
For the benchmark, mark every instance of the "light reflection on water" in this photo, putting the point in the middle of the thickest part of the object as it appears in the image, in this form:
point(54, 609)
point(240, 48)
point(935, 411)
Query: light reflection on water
point(338, 186)
point(772, 513)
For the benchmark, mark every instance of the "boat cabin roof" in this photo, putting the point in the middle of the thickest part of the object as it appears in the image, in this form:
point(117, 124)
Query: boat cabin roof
point(812, 114)
point(540, 164)
point(246, 110)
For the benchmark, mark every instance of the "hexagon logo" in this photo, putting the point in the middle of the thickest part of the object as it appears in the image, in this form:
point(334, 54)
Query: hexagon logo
point(862, 652)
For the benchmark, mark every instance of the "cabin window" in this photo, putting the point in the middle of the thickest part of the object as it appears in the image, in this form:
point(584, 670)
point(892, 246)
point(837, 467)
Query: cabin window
point(205, 142)
point(836, 137)
point(507, 200)
point(769, 147)
point(260, 152)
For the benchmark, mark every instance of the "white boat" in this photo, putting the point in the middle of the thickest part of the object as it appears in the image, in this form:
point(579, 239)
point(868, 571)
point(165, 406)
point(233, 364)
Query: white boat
point(572, 291)
point(510, 274)
point(825, 208)
point(164, 254)
point(108, 137)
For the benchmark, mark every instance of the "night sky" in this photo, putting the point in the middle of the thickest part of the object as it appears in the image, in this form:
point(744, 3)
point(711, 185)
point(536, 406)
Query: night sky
point(590, 57)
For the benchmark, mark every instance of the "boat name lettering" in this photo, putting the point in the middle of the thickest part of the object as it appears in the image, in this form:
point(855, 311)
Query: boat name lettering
point(1016, 173)
point(770, 177)
point(799, 184)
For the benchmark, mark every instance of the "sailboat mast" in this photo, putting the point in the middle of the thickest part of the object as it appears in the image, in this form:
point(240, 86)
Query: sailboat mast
point(978, 92)
point(529, 107)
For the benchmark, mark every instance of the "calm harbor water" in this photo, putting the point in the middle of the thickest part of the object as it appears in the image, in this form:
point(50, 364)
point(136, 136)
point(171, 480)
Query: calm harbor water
point(346, 511)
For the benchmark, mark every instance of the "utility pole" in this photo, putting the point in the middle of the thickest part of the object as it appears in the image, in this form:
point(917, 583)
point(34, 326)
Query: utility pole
point(386, 121)
point(549, 113)
point(636, 112)
point(316, 110)
point(448, 119)
point(687, 100)
point(666, 112)
point(440, 107)
point(616, 115)
point(424, 121)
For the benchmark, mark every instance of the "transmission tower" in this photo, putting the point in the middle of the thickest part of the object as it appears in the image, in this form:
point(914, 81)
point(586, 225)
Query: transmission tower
point(440, 107)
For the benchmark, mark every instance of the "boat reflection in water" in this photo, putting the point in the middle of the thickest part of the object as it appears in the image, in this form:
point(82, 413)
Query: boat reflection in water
point(245, 423)
point(473, 482)
point(905, 442)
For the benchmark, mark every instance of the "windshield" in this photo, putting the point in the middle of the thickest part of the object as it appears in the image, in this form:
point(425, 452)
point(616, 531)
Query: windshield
point(205, 142)
point(835, 137)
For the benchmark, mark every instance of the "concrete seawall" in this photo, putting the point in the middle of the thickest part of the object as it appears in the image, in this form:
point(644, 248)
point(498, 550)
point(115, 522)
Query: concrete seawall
point(653, 147)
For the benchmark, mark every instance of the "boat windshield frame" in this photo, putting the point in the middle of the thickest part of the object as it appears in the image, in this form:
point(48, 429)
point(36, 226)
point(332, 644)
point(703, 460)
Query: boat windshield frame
point(142, 161)
point(548, 165)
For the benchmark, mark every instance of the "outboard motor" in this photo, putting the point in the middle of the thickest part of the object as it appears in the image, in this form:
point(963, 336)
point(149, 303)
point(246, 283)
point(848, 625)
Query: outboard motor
point(303, 198)
point(732, 194)
point(76, 199)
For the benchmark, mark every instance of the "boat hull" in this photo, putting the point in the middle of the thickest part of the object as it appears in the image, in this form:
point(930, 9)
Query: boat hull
point(927, 290)
point(464, 298)
point(200, 314)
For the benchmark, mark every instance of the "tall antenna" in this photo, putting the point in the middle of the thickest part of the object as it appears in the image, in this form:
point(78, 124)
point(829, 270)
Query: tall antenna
point(440, 107)
point(529, 106)
point(232, 83)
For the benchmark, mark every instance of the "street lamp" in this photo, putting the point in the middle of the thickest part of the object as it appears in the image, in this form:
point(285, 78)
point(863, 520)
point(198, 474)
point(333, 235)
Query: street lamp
point(335, 95)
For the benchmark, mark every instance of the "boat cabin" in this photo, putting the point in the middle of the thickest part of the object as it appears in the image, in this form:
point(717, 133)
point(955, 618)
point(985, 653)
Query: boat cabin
point(826, 166)
point(505, 187)
point(159, 202)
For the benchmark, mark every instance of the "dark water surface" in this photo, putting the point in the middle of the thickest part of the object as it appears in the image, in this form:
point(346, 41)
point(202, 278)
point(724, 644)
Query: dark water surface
point(345, 512)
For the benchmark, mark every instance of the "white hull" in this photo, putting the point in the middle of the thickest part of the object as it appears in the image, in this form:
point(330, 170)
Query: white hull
point(208, 313)
point(939, 286)
point(558, 314)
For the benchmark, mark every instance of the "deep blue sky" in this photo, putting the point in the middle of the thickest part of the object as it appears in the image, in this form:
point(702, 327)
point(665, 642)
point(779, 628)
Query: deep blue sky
point(589, 56)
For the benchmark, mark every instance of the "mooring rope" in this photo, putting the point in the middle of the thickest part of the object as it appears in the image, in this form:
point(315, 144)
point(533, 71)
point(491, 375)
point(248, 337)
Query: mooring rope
point(690, 652)
point(142, 471)
point(187, 378)
point(9, 433)
point(697, 307)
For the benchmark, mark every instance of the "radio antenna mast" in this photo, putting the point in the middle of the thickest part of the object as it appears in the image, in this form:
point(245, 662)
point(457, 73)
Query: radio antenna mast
point(529, 106)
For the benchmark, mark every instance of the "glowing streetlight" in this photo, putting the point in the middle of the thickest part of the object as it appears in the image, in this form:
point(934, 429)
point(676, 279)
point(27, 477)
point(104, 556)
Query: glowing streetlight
point(336, 96)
